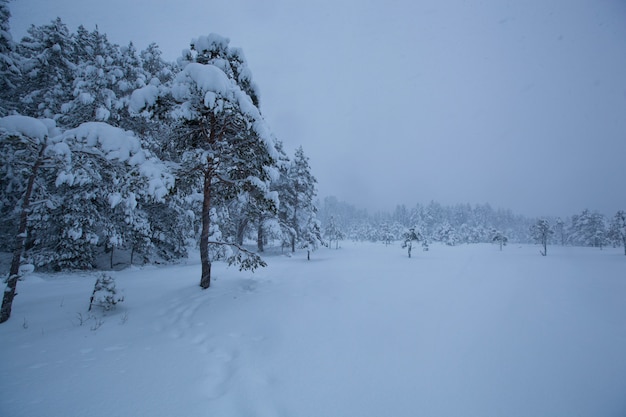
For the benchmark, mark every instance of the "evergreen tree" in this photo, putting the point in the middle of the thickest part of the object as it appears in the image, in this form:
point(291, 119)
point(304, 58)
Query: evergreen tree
point(311, 236)
point(23, 144)
point(447, 234)
point(333, 232)
point(588, 229)
point(10, 73)
point(618, 228)
point(101, 179)
point(223, 143)
point(283, 187)
point(541, 232)
point(559, 229)
point(409, 236)
point(500, 238)
point(47, 71)
point(300, 196)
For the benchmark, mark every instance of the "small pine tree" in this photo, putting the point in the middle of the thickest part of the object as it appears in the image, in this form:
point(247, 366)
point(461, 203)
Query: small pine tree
point(541, 232)
point(412, 235)
point(105, 295)
point(499, 238)
point(311, 236)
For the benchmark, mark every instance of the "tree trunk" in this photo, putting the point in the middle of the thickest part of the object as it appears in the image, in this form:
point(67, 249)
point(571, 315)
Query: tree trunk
point(295, 226)
point(241, 230)
point(205, 279)
point(260, 237)
point(14, 273)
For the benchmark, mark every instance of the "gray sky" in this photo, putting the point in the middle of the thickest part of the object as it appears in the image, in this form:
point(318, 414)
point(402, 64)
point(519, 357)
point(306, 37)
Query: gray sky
point(521, 104)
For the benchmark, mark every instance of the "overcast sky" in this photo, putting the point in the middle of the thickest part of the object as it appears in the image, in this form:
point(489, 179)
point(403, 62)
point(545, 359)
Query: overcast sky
point(521, 104)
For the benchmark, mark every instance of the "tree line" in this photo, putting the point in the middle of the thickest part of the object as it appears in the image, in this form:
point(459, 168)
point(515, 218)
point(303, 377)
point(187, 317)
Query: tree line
point(463, 223)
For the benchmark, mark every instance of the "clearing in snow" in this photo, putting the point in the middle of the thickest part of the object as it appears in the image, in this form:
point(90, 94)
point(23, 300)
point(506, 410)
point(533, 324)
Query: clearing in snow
point(360, 331)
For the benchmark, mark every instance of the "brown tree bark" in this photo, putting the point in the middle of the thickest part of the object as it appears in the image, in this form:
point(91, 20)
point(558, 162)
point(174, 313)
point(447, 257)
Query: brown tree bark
point(205, 279)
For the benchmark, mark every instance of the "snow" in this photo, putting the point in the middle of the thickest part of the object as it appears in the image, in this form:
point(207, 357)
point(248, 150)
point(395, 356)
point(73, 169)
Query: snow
point(24, 125)
point(359, 331)
point(207, 78)
point(212, 42)
point(102, 113)
point(142, 98)
point(115, 143)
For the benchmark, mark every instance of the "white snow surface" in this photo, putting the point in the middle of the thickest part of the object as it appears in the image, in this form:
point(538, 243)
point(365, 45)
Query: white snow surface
point(359, 331)
point(27, 126)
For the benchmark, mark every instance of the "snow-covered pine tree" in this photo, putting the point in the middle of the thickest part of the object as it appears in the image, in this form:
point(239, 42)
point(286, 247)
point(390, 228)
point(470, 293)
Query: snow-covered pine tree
point(499, 237)
point(541, 232)
point(334, 232)
point(559, 229)
point(105, 294)
point(311, 236)
point(23, 144)
point(10, 73)
point(284, 189)
point(446, 234)
point(223, 143)
point(98, 177)
point(300, 194)
point(617, 229)
point(588, 229)
point(97, 76)
point(384, 233)
point(48, 70)
point(409, 236)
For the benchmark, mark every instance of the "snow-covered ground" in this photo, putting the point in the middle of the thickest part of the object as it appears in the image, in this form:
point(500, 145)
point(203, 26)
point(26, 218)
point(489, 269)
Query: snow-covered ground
point(359, 331)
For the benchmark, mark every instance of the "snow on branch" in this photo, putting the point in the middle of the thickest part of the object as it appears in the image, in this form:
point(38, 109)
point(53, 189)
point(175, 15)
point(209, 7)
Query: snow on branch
point(246, 259)
point(112, 144)
point(30, 127)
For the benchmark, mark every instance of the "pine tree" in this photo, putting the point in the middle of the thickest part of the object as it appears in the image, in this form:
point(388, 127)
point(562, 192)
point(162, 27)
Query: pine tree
point(47, 71)
point(409, 236)
point(223, 143)
point(283, 187)
point(333, 232)
point(500, 238)
point(311, 236)
point(300, 195)
point(541, 232)
point(618, 228)
point(10, 73)
point(23, 144)
point(559, 229)
point(588, 229)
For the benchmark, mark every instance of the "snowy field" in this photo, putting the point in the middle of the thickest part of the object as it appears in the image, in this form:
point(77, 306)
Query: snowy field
point(359, 331)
